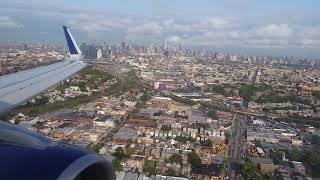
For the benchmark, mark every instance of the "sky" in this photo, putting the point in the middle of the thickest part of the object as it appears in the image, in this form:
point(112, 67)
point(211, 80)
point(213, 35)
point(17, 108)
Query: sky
point(253, 27)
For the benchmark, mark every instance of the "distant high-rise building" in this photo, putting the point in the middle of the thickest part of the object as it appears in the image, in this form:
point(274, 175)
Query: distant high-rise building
point(165, 45)
point(85, 50)
point(92, 52)
point(110, 53)
point(99, 53)
point(180, 47)
point(123, 46)
point(25, 47)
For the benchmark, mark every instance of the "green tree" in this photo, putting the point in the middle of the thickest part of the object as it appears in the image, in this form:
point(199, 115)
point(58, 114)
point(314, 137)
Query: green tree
point(314, 161)
point(205, 126)
point(175, 158)
point(171, 172)
point(191, 139)
point(181, 139)
point(185, 139)
point(249, 171)
point(143, 134)
point(207, 143)
point(316, 94)
point(247, 91)
point(130, 151)
point(263, 87)
point(120, 153)
point(116, 163)
point(95, 148)
point(149, 167)
point(82, 87)
point(315, 140)
point(213, 114)
point(181, 99)
point(146, 95)
point(166, 128)
point(270, 177)
point(194, 160)
point(277, 156)
point(42, 100)
point(227, 124)
point(223, 89)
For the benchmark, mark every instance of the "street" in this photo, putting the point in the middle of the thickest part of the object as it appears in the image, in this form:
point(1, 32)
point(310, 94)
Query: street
point(236, 146)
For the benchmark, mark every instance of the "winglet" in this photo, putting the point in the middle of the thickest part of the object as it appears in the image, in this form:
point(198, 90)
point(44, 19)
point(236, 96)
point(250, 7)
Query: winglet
point(72, 45)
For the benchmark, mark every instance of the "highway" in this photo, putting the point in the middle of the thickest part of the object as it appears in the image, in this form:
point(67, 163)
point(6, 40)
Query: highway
point(236, 146)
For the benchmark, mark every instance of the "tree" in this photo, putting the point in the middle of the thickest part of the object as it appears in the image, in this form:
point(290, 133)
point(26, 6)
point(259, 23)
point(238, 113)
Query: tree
point(191, 139)
point(95, 148)
point(194, 160)
point(82, 87)
point(310, 158)
point(171, 172)
point(247, 91)
point(166, 128)
point(181, 99)
point(146, 95)
point(213, 114)
point(207, 143)
point(277, 156)
point(223, 89)
point(143, 134)
point(315, 140)
point(263, 87)
point(185, 139)
point(175, 158)
point(227, 124)
point(42, 100)
point(316, 94)
point(149, 166)
point(270, 177)
point(314, 161)
point(120, 154)
point(116, 163)
point(249, 171)
point(129, 151)
point(205, 126)
point(180, 139)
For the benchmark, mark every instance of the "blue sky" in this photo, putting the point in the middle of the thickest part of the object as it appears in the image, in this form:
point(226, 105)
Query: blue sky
point(272, 27)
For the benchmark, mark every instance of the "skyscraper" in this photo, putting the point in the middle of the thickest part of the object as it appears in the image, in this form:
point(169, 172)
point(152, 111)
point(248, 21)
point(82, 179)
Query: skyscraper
point(99, 53)
point(123, 46)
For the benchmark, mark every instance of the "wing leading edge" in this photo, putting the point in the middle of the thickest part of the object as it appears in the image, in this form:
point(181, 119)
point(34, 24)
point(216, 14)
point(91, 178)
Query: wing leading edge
point(19, 87)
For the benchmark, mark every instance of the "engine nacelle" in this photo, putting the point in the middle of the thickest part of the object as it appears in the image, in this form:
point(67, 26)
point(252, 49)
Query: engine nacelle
point(28, 155)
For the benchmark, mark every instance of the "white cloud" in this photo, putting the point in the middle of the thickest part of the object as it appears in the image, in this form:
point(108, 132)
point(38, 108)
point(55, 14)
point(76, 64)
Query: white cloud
point(173, 39)
point(311, 32)
point(275, 30)
point(268, 36)
point(210, 31)
point(93, 23)
point(218, 23)
point(171, 26)
point(146, 29)
point(7, 22)
point(202, 25)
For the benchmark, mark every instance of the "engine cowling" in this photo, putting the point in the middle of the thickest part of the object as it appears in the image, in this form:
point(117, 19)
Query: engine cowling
point(27, 155)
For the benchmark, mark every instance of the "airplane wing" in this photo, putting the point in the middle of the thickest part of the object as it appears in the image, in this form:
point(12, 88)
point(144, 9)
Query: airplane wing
point(20, 87)
point(27, 155)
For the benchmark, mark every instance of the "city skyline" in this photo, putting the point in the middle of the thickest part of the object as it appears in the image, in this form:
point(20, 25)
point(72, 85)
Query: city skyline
point(246, 27)
point(152, 104)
